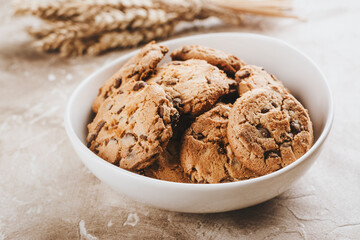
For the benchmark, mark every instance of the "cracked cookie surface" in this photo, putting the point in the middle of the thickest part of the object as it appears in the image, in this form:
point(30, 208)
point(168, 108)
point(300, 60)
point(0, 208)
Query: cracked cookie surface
point(224, 61)
point(132, 128)
point(194, 85)
point(139, 67)
point(205, 152)
point(269, 130)
point(252, 77)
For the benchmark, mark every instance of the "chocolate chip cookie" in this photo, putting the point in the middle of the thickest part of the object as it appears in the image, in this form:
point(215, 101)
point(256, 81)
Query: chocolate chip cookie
point(251, 77)
point(269, 130)
point(132, 128)
point(139, 67)
point(224, 61)
point(167, 166)
point(194, 85)
point(205, 152)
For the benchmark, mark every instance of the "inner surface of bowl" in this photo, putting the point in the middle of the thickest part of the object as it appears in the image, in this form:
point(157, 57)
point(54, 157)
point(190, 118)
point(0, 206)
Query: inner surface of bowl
point(296, 71)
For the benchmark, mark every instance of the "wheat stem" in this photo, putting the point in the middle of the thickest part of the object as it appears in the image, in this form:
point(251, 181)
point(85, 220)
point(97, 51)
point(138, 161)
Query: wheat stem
point(77, 27)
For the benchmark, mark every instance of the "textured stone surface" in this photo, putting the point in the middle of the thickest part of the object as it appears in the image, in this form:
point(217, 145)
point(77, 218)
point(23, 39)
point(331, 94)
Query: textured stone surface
point(47, 193)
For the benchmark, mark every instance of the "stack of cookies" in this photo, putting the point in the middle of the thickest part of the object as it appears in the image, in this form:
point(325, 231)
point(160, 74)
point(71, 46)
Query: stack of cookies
point(204, 117)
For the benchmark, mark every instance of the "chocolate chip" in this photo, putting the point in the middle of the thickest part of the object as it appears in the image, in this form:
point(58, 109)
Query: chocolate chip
point(263, 131)
point(273, 77)
point(143, 137)
point(99, 126)
point(133, 73)
point(138, 86)
point(295, 127)
point(198, 136)
point(243, 74)
point(92, 138)
point(120, 91)
point(208, 80)
point(171, 81)
point(161, 111)
point(265, 109)
point(120, 109)
point(221, 149)
point(118, 82)
point(274, 104)
point(130, 150)
point(177, 102)
point(270, 154)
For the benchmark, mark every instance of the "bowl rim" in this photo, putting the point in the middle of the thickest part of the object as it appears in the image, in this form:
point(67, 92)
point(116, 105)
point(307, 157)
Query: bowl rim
point(195, 186)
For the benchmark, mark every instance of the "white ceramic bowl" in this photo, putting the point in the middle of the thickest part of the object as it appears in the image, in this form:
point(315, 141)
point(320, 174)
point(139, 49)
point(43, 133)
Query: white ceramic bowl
point(297, 72)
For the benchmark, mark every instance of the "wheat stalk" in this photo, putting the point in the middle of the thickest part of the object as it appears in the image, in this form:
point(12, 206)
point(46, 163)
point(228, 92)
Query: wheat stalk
point(129, 38)
point(65, 9)
point(93, 26)
point(109, 40)
point(104, 22)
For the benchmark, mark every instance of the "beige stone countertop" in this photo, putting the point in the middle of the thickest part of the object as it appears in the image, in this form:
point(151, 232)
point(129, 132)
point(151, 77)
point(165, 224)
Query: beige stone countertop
point(47, 193)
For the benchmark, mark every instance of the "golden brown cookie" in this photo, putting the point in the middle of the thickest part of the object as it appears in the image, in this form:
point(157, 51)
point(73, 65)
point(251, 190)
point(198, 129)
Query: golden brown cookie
point(139, 67)
point(132, 128)
point(269, 130)
point(167, 167)
point(205, 152)
point(224, 61)
point(252, 77)
point(194, 85)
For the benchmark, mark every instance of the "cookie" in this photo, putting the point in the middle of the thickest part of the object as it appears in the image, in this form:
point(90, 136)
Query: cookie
point(269, 130)
point(205, 152)
point(139, 67)
point(252, 77)
point(224, 61)
point(167, 167)
point(132, 128)
point(194, 85)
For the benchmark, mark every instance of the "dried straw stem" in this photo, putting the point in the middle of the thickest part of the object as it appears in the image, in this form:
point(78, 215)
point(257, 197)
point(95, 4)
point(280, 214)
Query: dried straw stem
point(77, 27)
point(104, 22)
point(127, 39)
point(108, 40)
point(272, 8)
point(83, 9)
